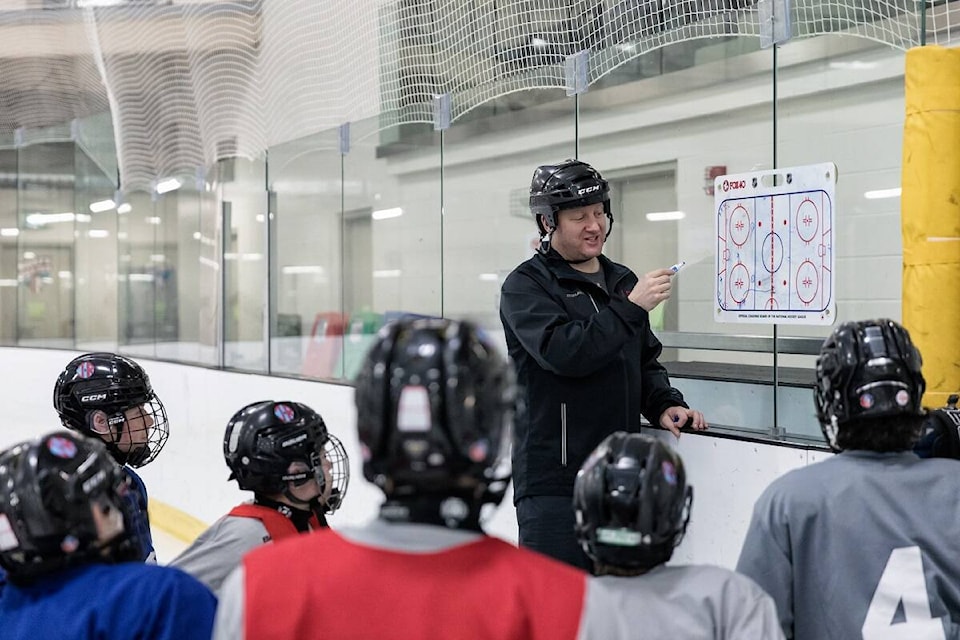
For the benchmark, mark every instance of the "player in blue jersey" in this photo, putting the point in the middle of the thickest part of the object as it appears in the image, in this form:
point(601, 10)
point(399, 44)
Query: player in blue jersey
point(71, 556)
point(108, 396)
point(864, 544)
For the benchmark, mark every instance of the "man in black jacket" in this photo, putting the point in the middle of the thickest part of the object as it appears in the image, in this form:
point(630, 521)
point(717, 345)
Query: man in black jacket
point(578, 330)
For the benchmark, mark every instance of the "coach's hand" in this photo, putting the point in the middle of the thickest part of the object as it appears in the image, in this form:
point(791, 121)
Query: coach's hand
point(675, 418)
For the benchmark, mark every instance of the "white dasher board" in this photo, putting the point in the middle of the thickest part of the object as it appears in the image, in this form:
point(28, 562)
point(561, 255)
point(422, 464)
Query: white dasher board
point(775, 250)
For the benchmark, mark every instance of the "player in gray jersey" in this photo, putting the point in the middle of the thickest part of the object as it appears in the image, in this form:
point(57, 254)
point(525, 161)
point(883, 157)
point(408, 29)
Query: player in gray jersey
point(632, 506)
point(863, 545)
point(298, 472)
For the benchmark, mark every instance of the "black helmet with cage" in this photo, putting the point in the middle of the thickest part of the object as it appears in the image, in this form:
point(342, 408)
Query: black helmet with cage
point(435, 403)
point(866, 370)
point(62, 502)
point(940, 435)
point(264, 438)
point(632, 502)
point(568, 185)
point(99, 394)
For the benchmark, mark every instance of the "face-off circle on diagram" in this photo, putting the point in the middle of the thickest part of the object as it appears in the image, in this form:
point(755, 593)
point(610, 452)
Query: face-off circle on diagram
point(807, 220)
point(739, 282)
point(808, 281)
point(740, 225)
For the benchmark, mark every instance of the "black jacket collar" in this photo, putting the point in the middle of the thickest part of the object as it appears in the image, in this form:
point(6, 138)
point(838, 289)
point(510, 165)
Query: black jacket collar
point(613, 272)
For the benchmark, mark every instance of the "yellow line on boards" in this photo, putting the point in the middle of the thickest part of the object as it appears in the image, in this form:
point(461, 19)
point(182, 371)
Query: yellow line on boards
point(177, 523)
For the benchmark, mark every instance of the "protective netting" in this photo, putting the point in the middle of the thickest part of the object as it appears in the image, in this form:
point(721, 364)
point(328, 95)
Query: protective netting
point(190, 82)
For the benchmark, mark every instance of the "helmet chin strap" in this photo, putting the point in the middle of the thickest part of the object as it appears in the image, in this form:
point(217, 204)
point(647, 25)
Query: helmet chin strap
point(545, 238)
point(832, 429)
point(297, 502)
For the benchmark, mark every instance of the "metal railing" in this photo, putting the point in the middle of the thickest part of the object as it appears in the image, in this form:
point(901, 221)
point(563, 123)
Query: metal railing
point(751, 344)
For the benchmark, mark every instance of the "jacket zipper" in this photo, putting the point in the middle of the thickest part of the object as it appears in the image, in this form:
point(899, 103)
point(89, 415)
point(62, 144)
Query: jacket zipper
point(563, 409)
point(563, 434)
point(594, 302)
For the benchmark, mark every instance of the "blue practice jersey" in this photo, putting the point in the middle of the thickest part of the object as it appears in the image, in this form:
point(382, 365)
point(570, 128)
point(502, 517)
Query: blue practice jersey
point(115, 602)
point(862, 545)
point(141, 524)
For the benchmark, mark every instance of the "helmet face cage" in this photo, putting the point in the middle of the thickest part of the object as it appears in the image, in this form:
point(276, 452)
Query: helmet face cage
point(568, 185)
point(110, 397)
point(434, 411)
point(48, 488)
point(867, 369)
point(632, 502)
point(264, 438)
point(336, 456)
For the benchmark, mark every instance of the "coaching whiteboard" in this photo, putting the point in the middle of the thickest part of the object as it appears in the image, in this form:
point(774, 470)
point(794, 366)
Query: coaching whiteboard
point(775, 253)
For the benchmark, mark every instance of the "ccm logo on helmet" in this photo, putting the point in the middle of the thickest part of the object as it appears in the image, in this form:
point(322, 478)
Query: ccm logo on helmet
point(93, 397)
point(595, 187)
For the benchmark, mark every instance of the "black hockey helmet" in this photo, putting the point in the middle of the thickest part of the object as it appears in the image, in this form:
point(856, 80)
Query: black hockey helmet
point(567, 185)
point(940, 435)
point(49, 488)
point(632, 502)
point(435, 403)
point(868, 369)
point(263, 438)
point(112, 384)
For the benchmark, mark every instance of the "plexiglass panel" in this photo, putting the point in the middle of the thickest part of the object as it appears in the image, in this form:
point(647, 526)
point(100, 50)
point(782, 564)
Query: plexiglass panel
point(307, 319)
point(656, 139)
point(93, 277)
point(137, 239)
point(243, 200)
point(487, 226)
point(46, 247)
point(392, 231)
point(9, 240)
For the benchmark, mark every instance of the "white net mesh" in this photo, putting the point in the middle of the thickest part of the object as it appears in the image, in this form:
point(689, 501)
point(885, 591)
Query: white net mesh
point(189, 82)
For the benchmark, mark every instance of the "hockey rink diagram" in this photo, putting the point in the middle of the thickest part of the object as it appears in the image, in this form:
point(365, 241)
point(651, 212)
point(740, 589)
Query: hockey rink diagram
point(775, 258)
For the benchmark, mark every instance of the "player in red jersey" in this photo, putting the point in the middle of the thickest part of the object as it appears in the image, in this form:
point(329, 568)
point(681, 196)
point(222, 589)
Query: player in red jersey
point(435, 403)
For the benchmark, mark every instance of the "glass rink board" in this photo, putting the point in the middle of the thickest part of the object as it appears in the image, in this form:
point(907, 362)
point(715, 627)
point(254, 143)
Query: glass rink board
point(775, 253)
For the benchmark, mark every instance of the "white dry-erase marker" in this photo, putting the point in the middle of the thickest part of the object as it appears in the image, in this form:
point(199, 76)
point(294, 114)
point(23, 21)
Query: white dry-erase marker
point(675, 268)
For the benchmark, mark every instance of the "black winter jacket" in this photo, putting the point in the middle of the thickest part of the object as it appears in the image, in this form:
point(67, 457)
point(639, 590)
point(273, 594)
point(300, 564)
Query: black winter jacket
point(586, 363)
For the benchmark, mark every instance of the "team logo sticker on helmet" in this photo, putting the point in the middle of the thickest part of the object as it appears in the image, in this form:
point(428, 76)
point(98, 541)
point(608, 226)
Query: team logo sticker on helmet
point(69, 544)
point(479, 450)
point(669, 472)
point(866, 400)
point(62, 447)
point(86, 369)
point(902, 397)
point(284, 413)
